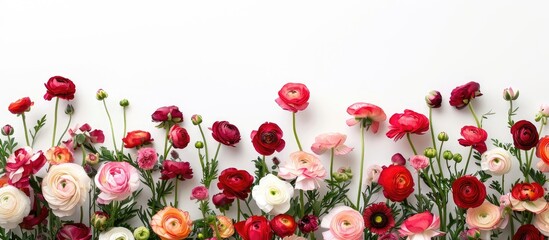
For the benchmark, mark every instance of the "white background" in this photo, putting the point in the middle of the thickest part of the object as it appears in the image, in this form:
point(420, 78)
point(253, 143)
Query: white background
point(226, 60)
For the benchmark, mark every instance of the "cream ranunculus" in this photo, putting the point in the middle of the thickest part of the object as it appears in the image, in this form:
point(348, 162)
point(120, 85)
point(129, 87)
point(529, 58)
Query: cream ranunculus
point(273, 195)
point(541, 221)
point(14, 206)
point(65, 187)
point(484, 217)
point(117, 233)
point(497, 161)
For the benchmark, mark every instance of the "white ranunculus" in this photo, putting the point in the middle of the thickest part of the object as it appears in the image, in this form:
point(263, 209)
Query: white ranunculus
point(272, 195)
point(14, 206)
point(117, 233)
point(497, 161)
point(65, 188)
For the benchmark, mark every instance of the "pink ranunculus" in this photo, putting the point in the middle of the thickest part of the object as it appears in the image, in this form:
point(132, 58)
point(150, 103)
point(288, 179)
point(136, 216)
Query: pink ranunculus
point(419, 162)
point(21, 164)
point(369, 114)
point(306, 167)
point(293, 97)
point(421, 226)
point(484, 217)
point(407, 122)
point(475, 137)
point(343, 222)
point(146, 158)
point(117, 181)
point(179, 137)
point(199, 193)
point(328, 141)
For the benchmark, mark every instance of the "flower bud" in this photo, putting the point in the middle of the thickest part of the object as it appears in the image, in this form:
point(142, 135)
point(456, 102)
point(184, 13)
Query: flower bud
point(221, 201)
point(447, 155)
point(69, 110)
point(7, 130)
point(276, 161)
point(340, 177)
point(90, 170)
point(99, 220)
point(430, 152)
point(471, 234)
point(196, 119)
point(433, 99)
point(92, 158)
point(200, 236)
point(509, 94)
point(101, 94)
point(398, 159)
point(141, 233)
point(443, 136)
point(457, 157)
point(174, 154)
point(124, 103)
point(199, 144)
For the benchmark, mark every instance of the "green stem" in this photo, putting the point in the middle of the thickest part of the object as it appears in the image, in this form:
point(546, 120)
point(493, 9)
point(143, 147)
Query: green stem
point(124, 132)
point(528, 162)
point(166, 142)
point(332, 165)
point(65, 131)
point(217, 151)
point(175, 191)
point(249, 208)
point(502, 184)
point(301, 202)
point(82, 214)
point(54, 121)
point(238, 212)
point(470, 105)
point(204, 217)
point(419, 182)
point(411, 144)
point(295, 132)
point(153, 190)
point(468, 159)
point(112, 129)
point(509, 116)
point(205, 142)
point(25, 128)
point(361, 167)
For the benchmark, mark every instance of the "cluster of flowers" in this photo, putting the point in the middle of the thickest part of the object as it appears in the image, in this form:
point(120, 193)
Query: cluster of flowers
point(41, 192)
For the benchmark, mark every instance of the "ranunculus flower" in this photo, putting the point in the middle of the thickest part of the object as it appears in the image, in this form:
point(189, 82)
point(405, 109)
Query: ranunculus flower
point(397, 182)
point(20, 106)
point(146, 158)
point(60, 87)
point(137, 138)
point(74, 231)
point(308, 223)
point(21, 164)
point(468, 192)
point(528, 232)
point(7, 130)
point(525, 135)
point(116, 233)
point(343, 222)
point(486, 217)
point(306, 167)
point(510, 94)
point(423, 225)
point(433, 99)
point(168, 113)
point(372, 174)
point(470, 234)
point(221, 201)
point(36, 215)
point(99, 220)
point(268, 139)
point(293, 97)
point(224, 226)
point(273, 195)
point(15, 205)
point(283, 225)
point(59, 154)
point(368, 114)
point(172, 224)
point(497, 161)
point(541, 221)
point(179, 137)
point(528, 196)
point(97, 136)
point(378, 218)
point(199, 193)
point(407, 122)
point(173, 169)
point(329, 141)
point(235, 183)
point(462, 95)
point(473, 136)
point(542, 151)
point(254, 228)
point(117, 181)
point(225, 133)
point(65, 187)
point(419, 162)
point(398, 159)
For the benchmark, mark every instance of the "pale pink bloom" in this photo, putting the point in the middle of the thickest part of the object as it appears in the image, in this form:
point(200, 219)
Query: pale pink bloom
point(370, 113)
point(117, 181)
point(484, 217)
point(542, 166)
point(497, 161)
point(199, 193)
point(537, 206)
point(306, 167)
point(372, 174)
point(544, 110)
point(421, 226)
point(146, 158)
point(419, 162)
point(343, 222)
point(541, 221)
point(330, 141)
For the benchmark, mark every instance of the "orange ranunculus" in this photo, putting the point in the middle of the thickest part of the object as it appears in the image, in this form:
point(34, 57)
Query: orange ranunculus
point(171, 224)
point(59, 154)
point(543, 149)
point(21, 106)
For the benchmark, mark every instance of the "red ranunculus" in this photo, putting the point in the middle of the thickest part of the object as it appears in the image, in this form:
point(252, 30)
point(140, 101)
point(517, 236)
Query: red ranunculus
point(172, 169)
point(168, 113)
point(468, 192)
point(293, 97)
point(407, 122)
point(60, 87)
point(283, 225)
point(462, 95)
point(33, 219)
point(254, 228)
point(20, 106)
point(397, 182)
point(235, 183)
point(221, 201)
point(268, 139)
point(308, 223)
point(74, 231)
point(528, 232)
point(225, 133)
point(97, 136)
point(525, 135)
point(527, 191)
point(474, 136)
point(179, 137)
point(136, 139)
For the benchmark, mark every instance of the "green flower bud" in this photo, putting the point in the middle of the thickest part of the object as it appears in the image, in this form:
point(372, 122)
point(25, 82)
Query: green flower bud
point(340, 177)
point(101, 94)
point(69, 110)
point(443, 136)
point(124, 103)
point(141, 233)
point(457, 157)
point(200, 236)
point(430, 152)
point(447, 155)
point(99, 220)
point(196, 119)
point(199, 144)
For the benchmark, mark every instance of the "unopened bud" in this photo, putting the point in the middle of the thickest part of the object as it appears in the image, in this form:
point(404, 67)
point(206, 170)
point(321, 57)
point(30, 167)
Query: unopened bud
point(196, 119)
point(457, 157)
point(101, 94)
point(443, 136)
point(430, 152)
point(124, 103)
point(92, 158)
point(509, 94)
point(99, 220)
point(7, 130)
point(199, 144)
point(69, 110)
point(141, 233)
point(447, 155)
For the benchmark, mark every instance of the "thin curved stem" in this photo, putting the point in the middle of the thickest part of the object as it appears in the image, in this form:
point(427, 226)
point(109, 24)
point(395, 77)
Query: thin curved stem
point(166, 143)
point(474, 115)
point(468, 160)
point(205, 142)
point(301, 202)
point(411, 144)
point(54, 121)
point(25, 128)
point(65, 131)
point(112, 128)
point(124, 132)
point(295, 132)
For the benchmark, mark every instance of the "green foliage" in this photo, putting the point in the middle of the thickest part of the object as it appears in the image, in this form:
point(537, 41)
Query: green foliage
point(39, 124)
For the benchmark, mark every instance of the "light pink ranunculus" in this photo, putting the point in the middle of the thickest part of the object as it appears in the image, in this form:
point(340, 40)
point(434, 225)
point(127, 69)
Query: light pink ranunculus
point(306, 167)
point(484, 217)
point(497, 161)
point(544, 110)
point(370, 113)
point(117, 181)
point(421, 226)
point(419, 162)
point(146, 158)
point(541, 221)
point(328, 141)
point(199, 193)
point(343, 222)
point(372, 174)
point(66, 188)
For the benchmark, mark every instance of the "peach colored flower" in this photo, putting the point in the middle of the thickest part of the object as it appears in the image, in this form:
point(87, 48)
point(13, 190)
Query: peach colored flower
point(59, 154)
point(487, 216)
point(421, 226)
point(225, 226)
point(371, 114)
point(328, 141)
point(343, 222)
point(541, 221)
point(306, 167)
point(65, 188)
point(497, 161)
point(171, 224)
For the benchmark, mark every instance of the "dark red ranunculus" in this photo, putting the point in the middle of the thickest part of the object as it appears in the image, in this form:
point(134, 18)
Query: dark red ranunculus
point(168, 113)
point(179, 137)
point(462, 95)
point(527, 191)
point(21, 105)
point(34, 218)
point(225, 133)
point(474, 136)
point(433, 99)
point(136, 139)
point(378, 218)
point(407, 122)
point(293, 97)
point(74, 231)
point(397, 182)
point(468, 192)
point(268, 139)
point(221, 201)
point(283, 225)
point(60, 87)
point(308, 223)
point(235, 183)
point(254, 228)
point(528, 232)
point(172, 169)
point(525, 135)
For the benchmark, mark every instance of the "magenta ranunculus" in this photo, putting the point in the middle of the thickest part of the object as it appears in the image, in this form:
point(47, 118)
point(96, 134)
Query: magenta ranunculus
point(21, 164)
point(146, 158)
point(74, 231)
point(179, 137)
point(173, 169)
point(199, 193)
point(406, 123)
point(117, 181)
point(60, 87)
point(168, 113)
point(462, 95)
point(225, 133)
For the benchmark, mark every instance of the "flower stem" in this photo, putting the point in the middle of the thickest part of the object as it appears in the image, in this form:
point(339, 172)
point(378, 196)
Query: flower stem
point(411, 144)
point(238, 212)
point(332, 165)
point(361, 167)
point(301, 202)
point(124, 132)
point(153, 190)
point(54, 121)
point(474, 115)
point(65, 131)
point(175, 203)
point(217, 151)
point(419, 182)
point(205, 142)
point(468, 159)
point(528, 162)
point(295, 132)
point(166, 142)
point(25, 128)
point(112, 129)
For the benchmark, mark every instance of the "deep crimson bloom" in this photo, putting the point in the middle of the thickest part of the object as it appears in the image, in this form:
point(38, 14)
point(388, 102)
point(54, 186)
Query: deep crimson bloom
point(254, 228)
point(527, 191)
point(60, 87)
point(235, 183)
point(378, 218)
point(407, 122)
point(34, 218)
point(397, 182)
point(468, 192)
point(308, 223)
point(225, 133)
point(293, 97)
point(20, 106)
point(268, 139)
point(221, 201)
point(283, 225)
point(74, 231)
point(462, 95)
point(528, 232)
point(525, 135)
point(473, 136)
point(172, 169)
point(137, 138)
point(433, 99)
point(365, 113)
point(168, 113)
point(179, 137)
point(97, 136)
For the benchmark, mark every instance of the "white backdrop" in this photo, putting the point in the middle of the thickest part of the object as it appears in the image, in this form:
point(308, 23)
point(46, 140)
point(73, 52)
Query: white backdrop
point(226, 60)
